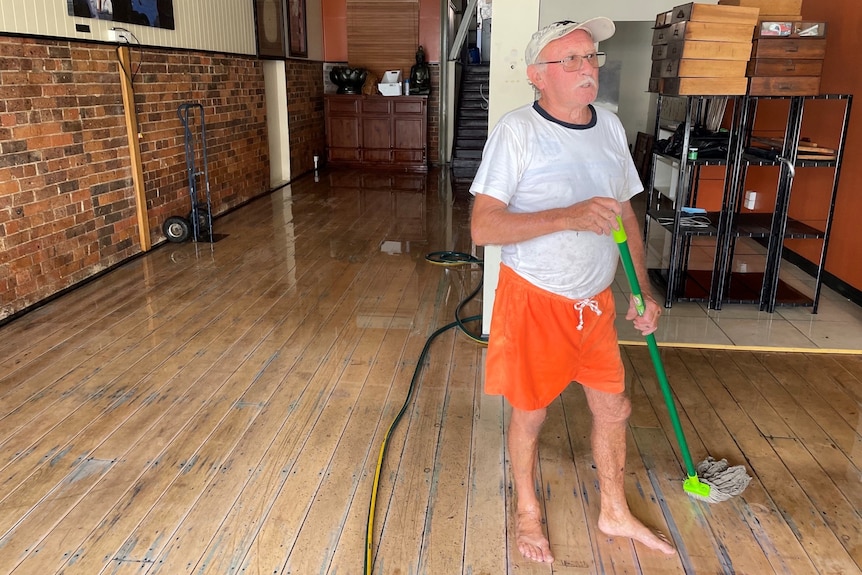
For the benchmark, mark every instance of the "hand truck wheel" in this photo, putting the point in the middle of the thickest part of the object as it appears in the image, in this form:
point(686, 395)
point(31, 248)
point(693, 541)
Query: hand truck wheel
point(203, 221)
point(177, 229)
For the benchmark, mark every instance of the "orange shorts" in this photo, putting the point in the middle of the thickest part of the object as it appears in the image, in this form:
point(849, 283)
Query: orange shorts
point(535, 348)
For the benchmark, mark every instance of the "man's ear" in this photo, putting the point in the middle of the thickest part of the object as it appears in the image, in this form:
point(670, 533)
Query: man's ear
point(534, 74)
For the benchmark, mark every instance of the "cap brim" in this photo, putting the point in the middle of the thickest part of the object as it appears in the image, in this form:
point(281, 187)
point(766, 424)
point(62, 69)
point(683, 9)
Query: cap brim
point(600, 28)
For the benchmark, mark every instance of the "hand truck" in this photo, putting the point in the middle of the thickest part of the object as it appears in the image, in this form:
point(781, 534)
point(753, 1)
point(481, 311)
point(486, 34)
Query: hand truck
point(199, 224)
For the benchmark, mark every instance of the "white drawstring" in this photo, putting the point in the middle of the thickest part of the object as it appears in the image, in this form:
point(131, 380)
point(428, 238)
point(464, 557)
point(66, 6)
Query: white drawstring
point(579, 307)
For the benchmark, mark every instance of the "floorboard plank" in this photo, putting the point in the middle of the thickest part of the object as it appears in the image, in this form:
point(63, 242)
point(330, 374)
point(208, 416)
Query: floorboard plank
point(392, 369)
point(96, 419)
point(771, 470)
point(565, 515)
point(646, 502)
point(401, 352)
point(738, 543)
point(839, 514)
point(846, 371)
point(659, 448)
point(762, 517)
point(610, 554)
point(485, 541)
point(292, 325)
point(320, 440)
point(823, 416)
point(445, 521)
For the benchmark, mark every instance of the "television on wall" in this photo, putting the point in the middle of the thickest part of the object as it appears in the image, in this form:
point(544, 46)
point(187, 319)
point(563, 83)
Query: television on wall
point(156, 13)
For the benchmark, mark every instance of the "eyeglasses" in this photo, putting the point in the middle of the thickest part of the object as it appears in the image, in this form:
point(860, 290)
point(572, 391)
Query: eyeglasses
point(575, 62)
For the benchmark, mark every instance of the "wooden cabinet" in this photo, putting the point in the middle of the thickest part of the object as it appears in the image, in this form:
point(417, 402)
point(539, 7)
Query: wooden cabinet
point(377, 131)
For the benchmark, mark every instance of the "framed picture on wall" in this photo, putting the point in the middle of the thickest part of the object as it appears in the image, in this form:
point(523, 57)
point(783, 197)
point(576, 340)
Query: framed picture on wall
point(298, 34)
point(156, 13)
point(270, 28)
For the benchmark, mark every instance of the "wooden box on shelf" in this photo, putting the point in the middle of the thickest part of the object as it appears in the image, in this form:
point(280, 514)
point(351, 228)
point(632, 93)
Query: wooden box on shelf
point(768, 6)
point(786, 66)
point(696, 12)
point(784, 86)
point(702, 49)
point(693, 68)
point(703, 86)
point(703, 31)
point(796, 48)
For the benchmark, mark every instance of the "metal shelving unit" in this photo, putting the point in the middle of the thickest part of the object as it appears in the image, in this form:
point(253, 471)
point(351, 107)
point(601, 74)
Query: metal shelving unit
point(721, 284)
point(773, 229)
point(670, 209)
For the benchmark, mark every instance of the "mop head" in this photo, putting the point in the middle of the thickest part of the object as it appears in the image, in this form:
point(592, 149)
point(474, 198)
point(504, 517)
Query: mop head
point(725, 481)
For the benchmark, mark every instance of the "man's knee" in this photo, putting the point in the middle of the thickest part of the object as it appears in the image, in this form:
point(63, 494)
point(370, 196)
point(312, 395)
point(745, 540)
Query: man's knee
point(528, 420)
point(612, 408)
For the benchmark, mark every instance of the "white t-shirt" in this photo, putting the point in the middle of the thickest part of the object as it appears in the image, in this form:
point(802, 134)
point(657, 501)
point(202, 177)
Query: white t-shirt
point(533, 162)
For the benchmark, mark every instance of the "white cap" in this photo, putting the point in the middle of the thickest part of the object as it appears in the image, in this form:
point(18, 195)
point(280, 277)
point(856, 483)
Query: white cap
point(600, 28)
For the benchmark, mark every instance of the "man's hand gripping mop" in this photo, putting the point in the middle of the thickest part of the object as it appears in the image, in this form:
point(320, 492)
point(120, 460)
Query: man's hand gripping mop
point(713, 481)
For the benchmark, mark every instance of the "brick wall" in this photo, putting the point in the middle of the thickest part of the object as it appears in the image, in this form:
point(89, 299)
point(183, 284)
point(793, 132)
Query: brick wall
point(231, 91)
point(305, 114)
point(67, 208)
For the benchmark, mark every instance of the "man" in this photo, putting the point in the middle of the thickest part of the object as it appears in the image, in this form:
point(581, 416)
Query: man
point(554, 177)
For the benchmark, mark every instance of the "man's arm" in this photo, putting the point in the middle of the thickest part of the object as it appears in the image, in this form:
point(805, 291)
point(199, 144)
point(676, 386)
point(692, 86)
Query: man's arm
point(493, 224)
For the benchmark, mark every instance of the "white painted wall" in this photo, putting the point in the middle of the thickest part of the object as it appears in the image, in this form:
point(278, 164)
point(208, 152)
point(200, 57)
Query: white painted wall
point(629, 47)
point(278, 132)
point(514, 23)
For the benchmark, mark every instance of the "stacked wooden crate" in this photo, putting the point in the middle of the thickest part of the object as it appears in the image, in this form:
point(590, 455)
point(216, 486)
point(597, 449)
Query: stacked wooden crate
point(787, 52)
point(702, 49)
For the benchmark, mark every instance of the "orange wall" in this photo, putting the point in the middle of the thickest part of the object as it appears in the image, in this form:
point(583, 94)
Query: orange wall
point(821, 124)
point(429, 28)
point(334, 30)
point(841, 74)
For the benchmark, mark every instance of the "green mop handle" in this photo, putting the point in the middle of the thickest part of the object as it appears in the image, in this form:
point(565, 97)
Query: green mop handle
point(626, 257)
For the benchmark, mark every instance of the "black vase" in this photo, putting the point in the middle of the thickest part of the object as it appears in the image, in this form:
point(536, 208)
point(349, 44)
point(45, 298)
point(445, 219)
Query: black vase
point(349, 80)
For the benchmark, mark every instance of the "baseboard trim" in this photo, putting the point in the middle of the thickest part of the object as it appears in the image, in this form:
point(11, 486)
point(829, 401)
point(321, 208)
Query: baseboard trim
point(834, 283)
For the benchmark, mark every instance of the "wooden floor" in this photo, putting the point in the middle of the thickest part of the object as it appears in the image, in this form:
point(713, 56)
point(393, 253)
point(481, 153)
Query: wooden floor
point(219, 408)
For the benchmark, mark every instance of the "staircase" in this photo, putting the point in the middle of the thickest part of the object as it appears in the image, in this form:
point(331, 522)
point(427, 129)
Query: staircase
point(471, 125)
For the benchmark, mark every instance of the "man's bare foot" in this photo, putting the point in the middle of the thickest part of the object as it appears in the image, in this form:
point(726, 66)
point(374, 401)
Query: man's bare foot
point(531, 540)
point(633, 529)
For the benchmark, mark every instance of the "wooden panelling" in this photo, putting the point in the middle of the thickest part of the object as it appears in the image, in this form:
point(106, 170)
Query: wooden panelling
point(383, 35)
point(229, 28)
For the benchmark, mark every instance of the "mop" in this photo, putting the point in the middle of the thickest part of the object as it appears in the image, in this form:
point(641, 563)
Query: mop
point(713, 480)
